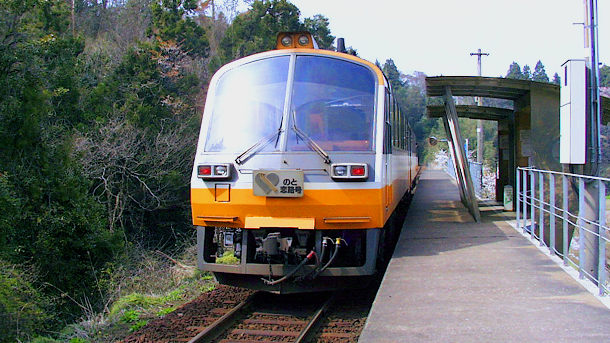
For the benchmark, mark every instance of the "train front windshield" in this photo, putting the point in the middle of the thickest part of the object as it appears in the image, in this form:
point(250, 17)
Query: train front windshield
point(332, 103)
point(248, 105)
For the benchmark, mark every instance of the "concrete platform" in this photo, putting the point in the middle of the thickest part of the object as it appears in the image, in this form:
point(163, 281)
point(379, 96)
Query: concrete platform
point(454, 280)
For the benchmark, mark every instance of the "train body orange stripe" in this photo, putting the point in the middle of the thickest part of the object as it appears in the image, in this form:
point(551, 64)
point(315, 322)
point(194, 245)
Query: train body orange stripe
point(316, 204)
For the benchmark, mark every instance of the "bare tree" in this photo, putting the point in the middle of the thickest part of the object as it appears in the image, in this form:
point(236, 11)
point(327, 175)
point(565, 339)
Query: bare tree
point(134, 171)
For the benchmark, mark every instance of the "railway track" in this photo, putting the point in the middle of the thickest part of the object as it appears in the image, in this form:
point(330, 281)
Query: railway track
point(230, 314)
point(265, 318)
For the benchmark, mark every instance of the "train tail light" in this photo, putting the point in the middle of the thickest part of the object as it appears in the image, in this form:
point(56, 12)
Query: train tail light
point(204, 171)
point(358, 171)
point(214, 171)
point(349, 171)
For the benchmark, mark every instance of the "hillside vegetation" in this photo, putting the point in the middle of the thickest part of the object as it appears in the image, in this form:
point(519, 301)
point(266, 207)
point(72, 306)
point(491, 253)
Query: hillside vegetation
point(100, 105)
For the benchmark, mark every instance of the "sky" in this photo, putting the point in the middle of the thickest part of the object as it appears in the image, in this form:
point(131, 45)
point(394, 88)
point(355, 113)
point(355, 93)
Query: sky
point(437, 36)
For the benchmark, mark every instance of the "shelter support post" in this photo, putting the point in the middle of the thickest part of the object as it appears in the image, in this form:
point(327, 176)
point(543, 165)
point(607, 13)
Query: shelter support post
point(452, 154)
point(460, 158)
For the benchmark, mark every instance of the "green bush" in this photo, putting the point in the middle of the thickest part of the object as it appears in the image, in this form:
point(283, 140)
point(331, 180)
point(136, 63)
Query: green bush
point(10, 205)
point(22, 306)
point(44, 340)
point(48, 217)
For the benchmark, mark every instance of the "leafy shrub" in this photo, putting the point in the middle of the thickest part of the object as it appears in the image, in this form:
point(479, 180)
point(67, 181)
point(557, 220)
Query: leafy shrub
point(9, 203)
point(22, 307)
point(44, 340)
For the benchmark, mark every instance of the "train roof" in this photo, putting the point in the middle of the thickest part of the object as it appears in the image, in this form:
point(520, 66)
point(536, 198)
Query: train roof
point(308, 51)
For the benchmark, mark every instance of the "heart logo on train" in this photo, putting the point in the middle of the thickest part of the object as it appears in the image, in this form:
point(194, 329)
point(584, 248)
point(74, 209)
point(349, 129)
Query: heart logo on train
point(267, 182)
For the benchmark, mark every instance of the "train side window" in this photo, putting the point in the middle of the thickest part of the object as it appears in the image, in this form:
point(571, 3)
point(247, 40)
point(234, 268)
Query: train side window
point(402, 129)
point(403, 132)
point(394, 122)
point(387, 130)
point(397, 115)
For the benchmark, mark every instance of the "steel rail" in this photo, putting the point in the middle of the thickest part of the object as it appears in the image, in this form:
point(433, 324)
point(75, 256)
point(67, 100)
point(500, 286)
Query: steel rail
point(228, 320)
point(221, 324)
point(311, 327)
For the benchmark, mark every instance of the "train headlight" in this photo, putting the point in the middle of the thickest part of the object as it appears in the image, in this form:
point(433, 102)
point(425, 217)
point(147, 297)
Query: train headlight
point(287, 41)
point(340, 170)
point(349, 171)
point(214, 171)
point(295, 40)
point(303, 40)
point(221, 170)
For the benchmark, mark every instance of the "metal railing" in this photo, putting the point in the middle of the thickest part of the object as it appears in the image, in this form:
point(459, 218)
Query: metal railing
point(537, 190)
point(476, 172)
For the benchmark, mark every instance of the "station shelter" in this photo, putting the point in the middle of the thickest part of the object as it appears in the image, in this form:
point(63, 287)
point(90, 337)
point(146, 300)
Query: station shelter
point(528, 134)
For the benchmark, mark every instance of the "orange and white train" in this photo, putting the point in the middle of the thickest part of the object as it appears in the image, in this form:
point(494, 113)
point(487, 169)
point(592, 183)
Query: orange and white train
point(302, 158)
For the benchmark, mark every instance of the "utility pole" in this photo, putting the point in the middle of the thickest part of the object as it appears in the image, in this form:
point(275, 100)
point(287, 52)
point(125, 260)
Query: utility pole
point(589, 238)
point(592, 44)
point(479, 101)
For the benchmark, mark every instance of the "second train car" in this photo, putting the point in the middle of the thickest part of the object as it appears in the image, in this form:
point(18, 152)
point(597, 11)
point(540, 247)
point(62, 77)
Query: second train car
point(302, 158)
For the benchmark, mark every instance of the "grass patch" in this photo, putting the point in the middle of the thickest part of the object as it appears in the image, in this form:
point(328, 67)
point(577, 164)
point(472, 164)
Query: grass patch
point(228, 257)
point(166, 311)
point(130, 303)
point(138, 325)
point(130, 316)
point(151, 285)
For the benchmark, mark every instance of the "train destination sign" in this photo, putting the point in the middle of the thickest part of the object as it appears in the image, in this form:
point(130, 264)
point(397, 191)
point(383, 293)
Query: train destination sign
point(278, 183)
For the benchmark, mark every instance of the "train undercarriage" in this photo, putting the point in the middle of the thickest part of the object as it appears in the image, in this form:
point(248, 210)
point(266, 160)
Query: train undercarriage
point(288, 260)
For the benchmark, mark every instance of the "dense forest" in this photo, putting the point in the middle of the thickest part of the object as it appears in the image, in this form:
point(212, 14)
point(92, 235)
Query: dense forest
point(100, 103)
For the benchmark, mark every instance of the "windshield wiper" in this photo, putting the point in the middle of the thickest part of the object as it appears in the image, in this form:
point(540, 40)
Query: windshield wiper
point(257, 146)
point(310, 142)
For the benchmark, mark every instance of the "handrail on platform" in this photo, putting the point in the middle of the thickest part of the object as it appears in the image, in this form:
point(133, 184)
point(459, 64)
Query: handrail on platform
point(587, 231)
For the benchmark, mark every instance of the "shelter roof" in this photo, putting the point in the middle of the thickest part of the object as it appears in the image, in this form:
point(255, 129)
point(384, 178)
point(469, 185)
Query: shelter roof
point(490, 87)
point(472, 112)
